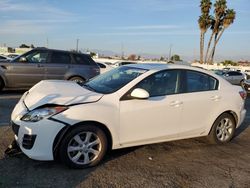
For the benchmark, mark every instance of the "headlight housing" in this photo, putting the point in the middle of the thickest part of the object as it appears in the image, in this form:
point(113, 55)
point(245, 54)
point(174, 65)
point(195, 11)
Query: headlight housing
point(41, 113)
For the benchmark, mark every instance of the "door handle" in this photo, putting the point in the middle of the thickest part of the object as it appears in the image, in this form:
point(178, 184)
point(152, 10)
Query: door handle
point(176, 103)
point(215, 98)
point(40, 65)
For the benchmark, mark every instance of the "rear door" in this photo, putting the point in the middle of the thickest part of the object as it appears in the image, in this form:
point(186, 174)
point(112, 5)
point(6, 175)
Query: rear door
point(84, 66)
point(238, 77)
point(201, 98)
point(59, 63)
point(26, 70)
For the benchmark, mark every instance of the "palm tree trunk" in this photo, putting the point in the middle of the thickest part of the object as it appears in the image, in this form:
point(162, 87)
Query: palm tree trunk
point(208, 47)
point(217, 38)
point(212, 53)
point(201, 47)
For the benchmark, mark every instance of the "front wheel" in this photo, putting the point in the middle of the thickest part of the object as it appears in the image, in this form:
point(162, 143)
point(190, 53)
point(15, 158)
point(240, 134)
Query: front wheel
point(84, 146)
point(223, 129)
point(77, 79)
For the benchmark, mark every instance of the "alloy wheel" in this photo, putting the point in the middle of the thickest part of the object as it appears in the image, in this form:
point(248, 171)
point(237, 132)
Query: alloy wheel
point(84, 148)
point(224, 130)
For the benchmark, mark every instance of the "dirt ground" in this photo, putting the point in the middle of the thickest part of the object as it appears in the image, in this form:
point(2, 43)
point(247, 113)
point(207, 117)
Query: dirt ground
point(185, 163)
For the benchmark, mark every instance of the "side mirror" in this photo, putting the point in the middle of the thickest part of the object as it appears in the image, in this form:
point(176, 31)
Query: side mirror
point(139, 93)
point(23, 59)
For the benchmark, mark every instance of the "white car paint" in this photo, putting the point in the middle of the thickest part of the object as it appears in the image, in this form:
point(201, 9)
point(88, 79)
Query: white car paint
point(130, 122)
point(71, 94)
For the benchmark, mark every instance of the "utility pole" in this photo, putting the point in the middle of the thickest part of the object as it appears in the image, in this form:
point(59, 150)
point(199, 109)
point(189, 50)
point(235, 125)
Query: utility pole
point(77, 41)
point(47, 42)
point(122, 51)
point(170, 49)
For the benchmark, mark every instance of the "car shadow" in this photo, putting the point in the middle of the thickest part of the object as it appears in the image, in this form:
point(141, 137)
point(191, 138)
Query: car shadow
point(18, 171)
point(242, 128)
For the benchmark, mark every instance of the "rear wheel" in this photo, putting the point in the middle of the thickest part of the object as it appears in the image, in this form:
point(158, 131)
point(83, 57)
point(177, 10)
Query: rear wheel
point(223, 129)
point(242, 83)
point(84, 146)
point(77, 79)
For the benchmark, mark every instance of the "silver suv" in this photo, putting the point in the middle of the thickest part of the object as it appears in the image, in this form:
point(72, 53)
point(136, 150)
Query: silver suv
point(43, 64)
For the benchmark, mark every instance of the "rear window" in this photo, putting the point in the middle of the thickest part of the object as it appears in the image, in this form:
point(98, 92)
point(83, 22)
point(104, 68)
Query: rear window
point(234, 74)
point(83, 59)
point(197, 81)
point(60, 58)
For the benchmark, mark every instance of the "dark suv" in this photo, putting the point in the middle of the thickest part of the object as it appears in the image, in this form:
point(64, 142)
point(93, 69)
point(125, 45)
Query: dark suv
point(43, 64)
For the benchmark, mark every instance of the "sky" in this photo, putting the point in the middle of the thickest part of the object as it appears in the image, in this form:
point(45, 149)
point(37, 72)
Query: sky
point(132, 26)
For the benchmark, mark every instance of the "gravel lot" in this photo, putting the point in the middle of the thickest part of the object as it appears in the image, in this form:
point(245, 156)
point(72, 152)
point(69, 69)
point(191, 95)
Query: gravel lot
point(185, 163)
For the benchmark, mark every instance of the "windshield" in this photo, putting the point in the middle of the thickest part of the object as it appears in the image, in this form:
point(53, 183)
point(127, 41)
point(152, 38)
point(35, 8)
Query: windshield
point(113, 80)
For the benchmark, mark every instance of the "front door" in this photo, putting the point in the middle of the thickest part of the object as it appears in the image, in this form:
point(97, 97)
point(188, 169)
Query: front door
point(27, 70)
point(154, 119)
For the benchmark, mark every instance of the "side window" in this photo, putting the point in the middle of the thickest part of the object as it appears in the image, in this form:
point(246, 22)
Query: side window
point(35, 57)
point(83, 59)
point(60, 58)
point(234, 73)
point(197, 81)
point(162, 83)
point(101, 65)
point(237, 74)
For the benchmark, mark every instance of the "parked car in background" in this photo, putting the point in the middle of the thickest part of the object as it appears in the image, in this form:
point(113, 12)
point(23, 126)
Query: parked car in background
point(120, 63)
point(128, 106)
point(104, 67)
point(247, 72)
point(45, 64)
point(4, 58)
point(246, 85)
point(12, 56)
point(234, 77)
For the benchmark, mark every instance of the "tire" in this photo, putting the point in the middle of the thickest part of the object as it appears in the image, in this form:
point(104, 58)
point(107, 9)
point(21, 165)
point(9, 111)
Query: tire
point(1, 84)
point(242, 84)
point(77, 79)
point(84, 146)
point(223, 129)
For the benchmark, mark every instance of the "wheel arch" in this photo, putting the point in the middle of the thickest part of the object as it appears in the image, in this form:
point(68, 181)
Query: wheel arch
point(66, 129)
point(232, 113)
point(72, 76)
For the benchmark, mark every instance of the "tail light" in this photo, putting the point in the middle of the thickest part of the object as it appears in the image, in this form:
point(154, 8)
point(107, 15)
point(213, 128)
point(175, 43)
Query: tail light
point(243, 94)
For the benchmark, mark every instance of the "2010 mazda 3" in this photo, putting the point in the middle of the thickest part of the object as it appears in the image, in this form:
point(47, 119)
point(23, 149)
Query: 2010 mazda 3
point(127, 106)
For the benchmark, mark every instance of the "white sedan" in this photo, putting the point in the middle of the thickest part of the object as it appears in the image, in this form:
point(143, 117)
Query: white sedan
point(128, 106)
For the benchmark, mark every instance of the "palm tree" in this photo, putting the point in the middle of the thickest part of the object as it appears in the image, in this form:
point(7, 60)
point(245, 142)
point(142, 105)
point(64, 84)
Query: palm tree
point(204, 24)
point(227, 20)
point(219, 11)
point(205, 6)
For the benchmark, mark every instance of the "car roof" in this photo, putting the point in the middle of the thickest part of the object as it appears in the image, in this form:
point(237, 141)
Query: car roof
point(57, 50)
point(160, 66)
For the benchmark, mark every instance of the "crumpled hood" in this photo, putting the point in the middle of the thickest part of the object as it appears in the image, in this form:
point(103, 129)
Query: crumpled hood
point(59, 92)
